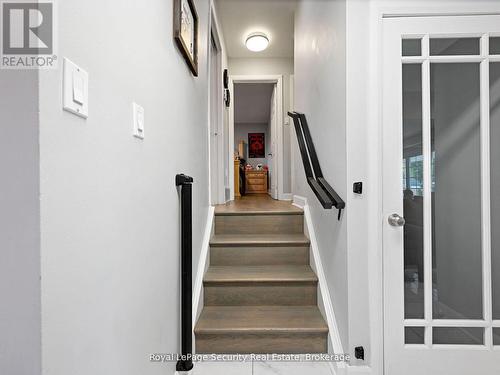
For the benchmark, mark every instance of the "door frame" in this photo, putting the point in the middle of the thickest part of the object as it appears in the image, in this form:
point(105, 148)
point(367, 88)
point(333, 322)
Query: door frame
point(372, 42)
point(219, 162)
point(273, 125)
point(484, 172)
point(278, 81)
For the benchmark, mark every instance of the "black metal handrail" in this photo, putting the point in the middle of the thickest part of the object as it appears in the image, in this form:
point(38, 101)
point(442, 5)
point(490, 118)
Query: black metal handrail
point(185, 363)
point(326, 195)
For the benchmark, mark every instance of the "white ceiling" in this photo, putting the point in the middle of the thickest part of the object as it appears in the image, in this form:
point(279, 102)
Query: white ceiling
point(252, 103)
point(275, 18)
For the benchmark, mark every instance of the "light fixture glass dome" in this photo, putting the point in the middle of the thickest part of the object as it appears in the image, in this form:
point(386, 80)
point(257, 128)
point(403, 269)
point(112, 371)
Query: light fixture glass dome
point(257, 42)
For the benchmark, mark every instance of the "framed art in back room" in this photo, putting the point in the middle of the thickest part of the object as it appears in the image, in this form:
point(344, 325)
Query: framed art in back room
point(256, 145)
point(186, 32)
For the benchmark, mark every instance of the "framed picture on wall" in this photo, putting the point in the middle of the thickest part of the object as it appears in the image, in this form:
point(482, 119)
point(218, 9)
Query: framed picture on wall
point(186, 32)
point(256, 145)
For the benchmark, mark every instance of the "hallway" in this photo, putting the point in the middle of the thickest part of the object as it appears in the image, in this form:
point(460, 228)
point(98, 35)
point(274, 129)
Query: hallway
point(282, 187)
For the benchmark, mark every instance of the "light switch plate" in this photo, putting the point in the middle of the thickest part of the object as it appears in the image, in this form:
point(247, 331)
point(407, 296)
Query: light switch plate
point(75, 89)
point(78, 88)
point(138, 120)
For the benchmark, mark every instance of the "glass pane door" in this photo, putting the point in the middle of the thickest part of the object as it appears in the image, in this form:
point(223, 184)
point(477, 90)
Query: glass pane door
point(443, 179)
point(441, 195)
point(413, 192)
point(456, 195)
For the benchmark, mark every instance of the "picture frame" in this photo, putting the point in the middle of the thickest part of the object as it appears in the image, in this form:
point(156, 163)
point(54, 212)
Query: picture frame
point(226, 79)
point(256, 145)
point(186, 32)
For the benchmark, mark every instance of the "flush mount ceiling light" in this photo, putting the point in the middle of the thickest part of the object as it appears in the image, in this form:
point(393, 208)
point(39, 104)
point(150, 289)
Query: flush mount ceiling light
point(257, 42)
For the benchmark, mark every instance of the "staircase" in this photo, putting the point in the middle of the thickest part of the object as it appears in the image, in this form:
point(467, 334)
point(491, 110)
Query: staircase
point(260, 294)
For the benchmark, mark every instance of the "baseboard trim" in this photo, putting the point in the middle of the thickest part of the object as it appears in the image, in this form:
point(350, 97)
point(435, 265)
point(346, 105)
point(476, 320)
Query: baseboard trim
point(299, 201)
point(333, 369)
point(202, 266)
point(324, 294)
point(286, 197)
point(359, 370)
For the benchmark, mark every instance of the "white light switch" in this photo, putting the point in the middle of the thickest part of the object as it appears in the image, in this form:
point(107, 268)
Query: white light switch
point(75, 89)
point(138, 120)
point(78, 88)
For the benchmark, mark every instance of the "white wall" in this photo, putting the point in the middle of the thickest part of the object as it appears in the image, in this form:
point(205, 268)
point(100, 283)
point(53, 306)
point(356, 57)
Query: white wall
point(109, 205)
point(19, 224)
point(252, 102)
point(320, 85)
point(272, 66)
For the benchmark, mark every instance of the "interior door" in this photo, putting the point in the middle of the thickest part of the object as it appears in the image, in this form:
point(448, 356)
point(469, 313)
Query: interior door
point(272, 155)
point(441, 195)
point(215, 182)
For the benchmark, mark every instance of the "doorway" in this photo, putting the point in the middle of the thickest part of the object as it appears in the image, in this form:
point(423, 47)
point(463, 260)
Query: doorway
point(254, 133)
point(441, 177)
point(217, 166)
point(256, 142)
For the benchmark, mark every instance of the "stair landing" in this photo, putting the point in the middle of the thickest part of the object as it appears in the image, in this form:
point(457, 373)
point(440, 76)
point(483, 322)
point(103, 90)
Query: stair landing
point(256, 203)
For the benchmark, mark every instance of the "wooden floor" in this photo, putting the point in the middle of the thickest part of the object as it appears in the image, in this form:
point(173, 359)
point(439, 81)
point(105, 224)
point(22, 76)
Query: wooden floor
point(256, 203)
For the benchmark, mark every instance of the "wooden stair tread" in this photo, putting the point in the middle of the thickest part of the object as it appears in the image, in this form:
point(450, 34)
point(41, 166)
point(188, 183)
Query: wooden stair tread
point(259, 240)
point(252, 204)
point(275, 273)
point(260, 292)
point(260, 319)
point(259, 212)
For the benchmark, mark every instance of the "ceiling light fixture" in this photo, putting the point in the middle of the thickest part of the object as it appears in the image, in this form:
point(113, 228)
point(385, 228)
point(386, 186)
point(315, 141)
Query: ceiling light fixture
point(257, 42)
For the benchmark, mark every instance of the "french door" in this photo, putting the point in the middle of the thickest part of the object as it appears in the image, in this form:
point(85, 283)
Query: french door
point(441, 195)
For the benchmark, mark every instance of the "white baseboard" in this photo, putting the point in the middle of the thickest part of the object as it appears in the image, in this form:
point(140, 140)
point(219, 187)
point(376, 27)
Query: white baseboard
point(355, 370)
point(324, 299)
point(349, 370)
point(299, 201)
point(337, 369)
point(202, 266)
point(286, 197)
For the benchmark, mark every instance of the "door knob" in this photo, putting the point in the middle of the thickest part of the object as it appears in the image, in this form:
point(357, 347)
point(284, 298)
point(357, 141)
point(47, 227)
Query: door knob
point(396, 221)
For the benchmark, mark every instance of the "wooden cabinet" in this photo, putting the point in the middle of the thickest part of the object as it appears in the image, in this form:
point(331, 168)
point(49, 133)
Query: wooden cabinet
point(256, 182)
point(237, 178)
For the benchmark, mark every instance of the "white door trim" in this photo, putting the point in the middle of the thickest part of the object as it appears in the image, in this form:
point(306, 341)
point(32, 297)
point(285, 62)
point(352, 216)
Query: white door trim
point(272, 164)
point(278, 80)
point(293, 150)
